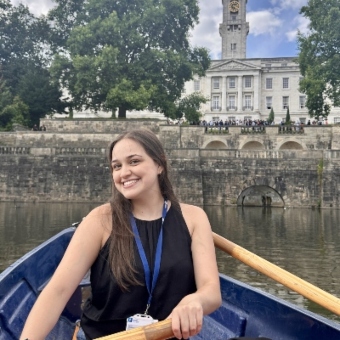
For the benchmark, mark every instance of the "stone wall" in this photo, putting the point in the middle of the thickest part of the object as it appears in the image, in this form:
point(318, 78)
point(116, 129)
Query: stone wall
point(72, 166)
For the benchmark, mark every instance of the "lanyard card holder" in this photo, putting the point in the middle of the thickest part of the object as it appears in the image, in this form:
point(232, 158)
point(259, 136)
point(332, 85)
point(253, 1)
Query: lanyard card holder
point(139, 320)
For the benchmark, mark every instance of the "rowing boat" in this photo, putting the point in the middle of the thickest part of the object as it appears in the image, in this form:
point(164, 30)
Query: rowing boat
point(245, 311)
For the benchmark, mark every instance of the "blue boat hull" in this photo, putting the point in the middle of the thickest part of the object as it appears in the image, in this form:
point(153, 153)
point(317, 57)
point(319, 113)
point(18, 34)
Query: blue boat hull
point(245, 311)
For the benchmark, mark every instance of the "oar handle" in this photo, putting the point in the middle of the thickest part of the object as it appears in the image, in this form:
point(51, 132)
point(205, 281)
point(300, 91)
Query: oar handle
point(278, 274)
point(157, 331)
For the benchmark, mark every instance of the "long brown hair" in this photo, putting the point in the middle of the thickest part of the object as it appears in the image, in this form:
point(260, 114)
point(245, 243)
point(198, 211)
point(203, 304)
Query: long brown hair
point(121, 250)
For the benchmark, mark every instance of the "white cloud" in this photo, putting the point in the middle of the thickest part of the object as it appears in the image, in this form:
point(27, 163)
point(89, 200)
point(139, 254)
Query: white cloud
point(36, 7)
point(263, 22)
point(301, 24)
point(206, 33)
point(289, 4)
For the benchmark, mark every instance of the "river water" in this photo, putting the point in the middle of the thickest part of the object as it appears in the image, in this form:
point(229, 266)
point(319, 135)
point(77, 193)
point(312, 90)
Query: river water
point(302, 241)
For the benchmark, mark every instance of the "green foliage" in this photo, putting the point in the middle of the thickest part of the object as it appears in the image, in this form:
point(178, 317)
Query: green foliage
point(271, 117)
point(288, 121)
point(125, 54)
point(24, 59)
point(189, 106)
point(12, 110)
point(319, 56)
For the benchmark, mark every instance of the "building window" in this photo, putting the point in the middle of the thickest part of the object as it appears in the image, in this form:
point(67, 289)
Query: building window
point(269, 66)
point(232, 82)
point(247, 101)
point(336, 120)
point(233, 28)
point(197, 86)
point(269, 102)
point(269, 83)
point(284, 64)
point(285, 83)
point(216, 102)
point(216, 83)
point(233, 46)
point(233, 17)
point(302, 102)
point(232, 103)
point(285, 102)
point(247, 82)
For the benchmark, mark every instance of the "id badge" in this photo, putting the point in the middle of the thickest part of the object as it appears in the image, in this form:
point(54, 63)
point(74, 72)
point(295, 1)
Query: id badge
point(139, 320)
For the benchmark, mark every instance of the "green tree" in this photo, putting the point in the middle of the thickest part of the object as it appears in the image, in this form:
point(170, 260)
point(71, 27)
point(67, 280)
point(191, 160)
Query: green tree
point(319, 56)
point(271, 116)
point(12, 110)
point(24, 58)
point(126, 54)
point(189, 106)
point(288, 121)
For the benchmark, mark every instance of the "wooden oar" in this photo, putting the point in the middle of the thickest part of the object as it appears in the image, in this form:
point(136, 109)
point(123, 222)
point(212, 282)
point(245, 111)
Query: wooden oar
point(162, 330)
point(157, 331)
point(278, 274)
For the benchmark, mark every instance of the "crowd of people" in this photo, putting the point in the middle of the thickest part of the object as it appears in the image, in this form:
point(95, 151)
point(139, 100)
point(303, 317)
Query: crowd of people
point(245, 122)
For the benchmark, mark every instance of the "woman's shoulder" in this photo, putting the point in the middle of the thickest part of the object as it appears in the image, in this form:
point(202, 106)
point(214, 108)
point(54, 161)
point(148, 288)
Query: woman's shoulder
point(99, 222)
point(101, 210)
point(191, 210)
point(194, 216)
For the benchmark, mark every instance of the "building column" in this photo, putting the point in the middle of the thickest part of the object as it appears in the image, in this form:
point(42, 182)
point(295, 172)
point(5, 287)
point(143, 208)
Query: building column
point(257, 89)
point(224, 91)
point(239, 93)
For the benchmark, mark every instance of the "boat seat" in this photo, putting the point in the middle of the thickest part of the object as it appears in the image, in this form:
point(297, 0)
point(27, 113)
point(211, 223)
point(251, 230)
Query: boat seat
point(17, 303)
point(225, 323)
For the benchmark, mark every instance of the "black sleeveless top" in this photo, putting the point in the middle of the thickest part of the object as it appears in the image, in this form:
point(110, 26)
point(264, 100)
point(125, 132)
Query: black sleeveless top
point(107, 309)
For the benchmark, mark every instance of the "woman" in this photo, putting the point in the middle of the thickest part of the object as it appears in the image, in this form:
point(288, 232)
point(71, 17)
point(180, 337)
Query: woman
point(150, 256)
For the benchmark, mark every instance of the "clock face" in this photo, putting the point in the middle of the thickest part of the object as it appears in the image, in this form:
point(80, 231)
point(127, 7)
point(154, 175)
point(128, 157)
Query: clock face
point(234, 6)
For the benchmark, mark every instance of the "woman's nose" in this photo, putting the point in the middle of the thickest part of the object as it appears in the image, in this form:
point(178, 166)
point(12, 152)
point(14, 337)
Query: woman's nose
point(125, 171)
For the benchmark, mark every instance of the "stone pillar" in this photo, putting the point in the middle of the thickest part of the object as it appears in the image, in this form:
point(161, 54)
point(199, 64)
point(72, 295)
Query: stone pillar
point(224, 94)
point(208, 90)
point(257, 89)
point(239, 93)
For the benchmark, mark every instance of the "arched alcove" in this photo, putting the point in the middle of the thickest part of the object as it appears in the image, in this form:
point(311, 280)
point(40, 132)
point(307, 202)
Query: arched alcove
point(216, 145)
point(253, 145)
point(259, 196)
point(291, 146)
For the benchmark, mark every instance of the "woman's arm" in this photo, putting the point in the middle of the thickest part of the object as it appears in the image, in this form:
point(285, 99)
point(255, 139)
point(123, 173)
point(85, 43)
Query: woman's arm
point(78, 258)
point(187, 316)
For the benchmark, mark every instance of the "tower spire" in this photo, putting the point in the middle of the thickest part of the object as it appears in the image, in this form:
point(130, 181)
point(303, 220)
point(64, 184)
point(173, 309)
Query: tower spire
point(234, 29)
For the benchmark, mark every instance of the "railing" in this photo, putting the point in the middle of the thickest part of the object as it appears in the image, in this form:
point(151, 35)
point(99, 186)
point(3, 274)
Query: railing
point(290, 129)
point(79, 151)
point(13, 150)
point(215, 130)
point(253, 129)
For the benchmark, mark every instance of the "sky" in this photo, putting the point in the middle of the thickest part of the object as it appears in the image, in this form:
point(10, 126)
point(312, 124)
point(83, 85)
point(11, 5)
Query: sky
point(273, 26)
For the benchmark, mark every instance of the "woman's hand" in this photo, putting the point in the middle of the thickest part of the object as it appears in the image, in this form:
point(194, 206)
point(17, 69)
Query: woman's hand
point(187, 317)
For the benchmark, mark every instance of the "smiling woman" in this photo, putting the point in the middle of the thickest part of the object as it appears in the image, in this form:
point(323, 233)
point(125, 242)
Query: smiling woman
point(137, 246)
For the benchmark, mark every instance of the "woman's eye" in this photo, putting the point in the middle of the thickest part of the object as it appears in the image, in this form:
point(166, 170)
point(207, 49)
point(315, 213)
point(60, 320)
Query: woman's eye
point(134, 161)
point(116, 166)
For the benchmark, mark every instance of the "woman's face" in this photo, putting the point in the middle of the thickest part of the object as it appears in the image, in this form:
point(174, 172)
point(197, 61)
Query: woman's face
point(134, 172)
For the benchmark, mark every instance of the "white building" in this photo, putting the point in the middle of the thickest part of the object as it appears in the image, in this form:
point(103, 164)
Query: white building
point(243, 88)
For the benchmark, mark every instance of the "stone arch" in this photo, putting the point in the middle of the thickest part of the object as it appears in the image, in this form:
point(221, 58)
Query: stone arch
point(215, 143)
point(291, 145)
point(260, 195)
point(253, 145)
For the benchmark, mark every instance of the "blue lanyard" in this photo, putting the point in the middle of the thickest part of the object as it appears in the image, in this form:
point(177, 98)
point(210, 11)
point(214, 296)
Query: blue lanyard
point(150, 285)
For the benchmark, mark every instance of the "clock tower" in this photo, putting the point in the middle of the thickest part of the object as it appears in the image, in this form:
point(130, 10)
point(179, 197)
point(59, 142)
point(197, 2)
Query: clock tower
point(234, 29)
